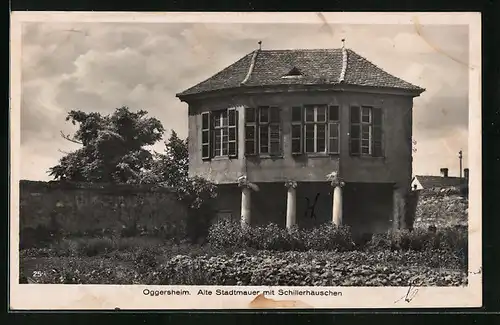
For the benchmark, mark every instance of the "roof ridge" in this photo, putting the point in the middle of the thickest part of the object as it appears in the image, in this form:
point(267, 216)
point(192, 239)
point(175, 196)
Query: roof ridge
point(383, 70)
point(344, 65)
point(438, 176)
point(251, 67)
point(229, 66)
point(302, 50)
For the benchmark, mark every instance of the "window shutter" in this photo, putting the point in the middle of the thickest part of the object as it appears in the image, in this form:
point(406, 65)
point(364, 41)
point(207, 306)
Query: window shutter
point(355, 115)
point(232, 132)
point(333, 129)
point(334, 113)
point(206, 134)
point(263, 114)
point(274, 115)
point(297, 130)
point(250, 131)
point(275, 131)
point(355, 131)
point(377, 132)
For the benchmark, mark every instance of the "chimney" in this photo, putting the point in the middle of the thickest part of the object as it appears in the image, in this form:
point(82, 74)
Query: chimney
point(444, 172)
point(466, 173)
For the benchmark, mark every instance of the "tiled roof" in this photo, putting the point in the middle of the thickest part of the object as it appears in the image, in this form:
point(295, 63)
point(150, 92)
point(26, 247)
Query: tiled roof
point(318, 67)
point(439, 181)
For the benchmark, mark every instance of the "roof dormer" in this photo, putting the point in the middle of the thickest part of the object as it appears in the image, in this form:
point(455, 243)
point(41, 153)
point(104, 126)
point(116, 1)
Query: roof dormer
point(293, 73)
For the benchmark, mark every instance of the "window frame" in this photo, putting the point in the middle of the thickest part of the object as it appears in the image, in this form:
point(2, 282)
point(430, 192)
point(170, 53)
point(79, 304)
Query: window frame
point(366, 139)
point(331, 120)
point(264, 126)
point(366, 125)
point(224, 122)
point(220, 128)
point(315, 123)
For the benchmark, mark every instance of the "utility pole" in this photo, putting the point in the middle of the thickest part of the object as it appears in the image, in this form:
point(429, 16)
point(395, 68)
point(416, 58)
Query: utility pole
point(460, 158)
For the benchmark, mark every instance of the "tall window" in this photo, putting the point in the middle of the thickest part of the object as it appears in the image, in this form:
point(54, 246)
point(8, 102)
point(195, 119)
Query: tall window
point(262, 131)
point(366, 131)
point(219, 133)
point(315, 129)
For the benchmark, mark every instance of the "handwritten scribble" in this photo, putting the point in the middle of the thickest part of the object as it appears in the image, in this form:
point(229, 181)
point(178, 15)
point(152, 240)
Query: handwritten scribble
point(311, 208)
point(410, 294)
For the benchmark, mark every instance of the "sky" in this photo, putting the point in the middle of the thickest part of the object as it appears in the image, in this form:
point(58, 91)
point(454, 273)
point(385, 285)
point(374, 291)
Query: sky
point(103, 66)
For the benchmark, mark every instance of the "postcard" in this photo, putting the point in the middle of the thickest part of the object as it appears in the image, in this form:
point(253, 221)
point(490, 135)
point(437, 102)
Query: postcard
point(246, 161)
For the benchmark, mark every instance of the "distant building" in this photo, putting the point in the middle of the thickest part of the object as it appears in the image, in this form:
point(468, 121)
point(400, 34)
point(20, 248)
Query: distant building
point(302, 137)
point(422, 182)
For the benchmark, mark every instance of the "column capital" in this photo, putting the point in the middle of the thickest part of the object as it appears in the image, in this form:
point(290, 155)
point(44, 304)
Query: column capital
point(291, 184)
point(335, 179)
point(244, 183)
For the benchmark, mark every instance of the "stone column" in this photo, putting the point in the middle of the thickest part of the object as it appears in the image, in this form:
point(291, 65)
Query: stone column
point(245, 206)
point(337, 184)
point(337, 205)
point(246, 190)
point(398, 218)
point(291, 204)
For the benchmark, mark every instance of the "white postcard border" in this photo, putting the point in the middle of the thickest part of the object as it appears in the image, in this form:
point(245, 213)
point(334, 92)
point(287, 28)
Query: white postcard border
point(70, 297)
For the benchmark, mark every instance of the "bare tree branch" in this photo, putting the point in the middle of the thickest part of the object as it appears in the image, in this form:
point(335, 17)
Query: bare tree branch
point(69, 139)
point(64, 152)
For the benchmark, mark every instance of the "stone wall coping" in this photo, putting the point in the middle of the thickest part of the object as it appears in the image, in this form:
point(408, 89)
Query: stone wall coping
point(108, 187)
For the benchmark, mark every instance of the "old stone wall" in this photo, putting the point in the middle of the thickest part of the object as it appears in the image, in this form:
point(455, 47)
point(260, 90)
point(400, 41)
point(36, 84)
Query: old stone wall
point(441, 207)
point(88, 207)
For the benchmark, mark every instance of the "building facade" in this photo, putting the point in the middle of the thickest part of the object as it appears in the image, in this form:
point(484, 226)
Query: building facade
point(303, 137)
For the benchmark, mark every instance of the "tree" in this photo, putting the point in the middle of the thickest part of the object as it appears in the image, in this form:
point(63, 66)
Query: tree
point(112, 147)
point(169, 168)
point(113, 152)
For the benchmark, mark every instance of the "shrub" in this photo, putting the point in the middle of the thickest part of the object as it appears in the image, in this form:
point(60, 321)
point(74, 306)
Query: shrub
point(96, 246)
point(449, 239)
point(380, 241)
point(70, 270)
point(269, 237)
point(147, 257)
point(84, 246)
point(329, 237)
point(198, 223)
point(383, 268)
point(175, 231)
point(225, 234)
point(197, 194)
